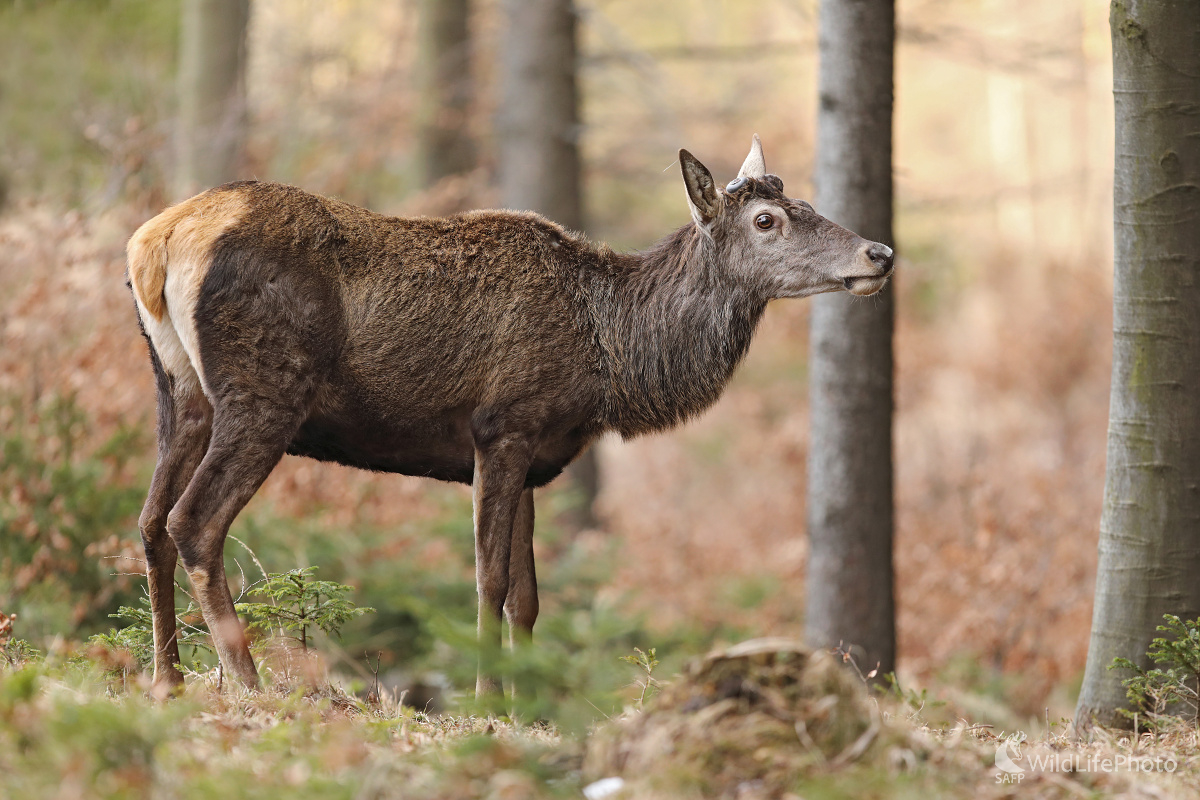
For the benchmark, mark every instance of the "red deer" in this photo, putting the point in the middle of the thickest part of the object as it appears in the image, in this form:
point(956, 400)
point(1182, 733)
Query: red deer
point(488, 348)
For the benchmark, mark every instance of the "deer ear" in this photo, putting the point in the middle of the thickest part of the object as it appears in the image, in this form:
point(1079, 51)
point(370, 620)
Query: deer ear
point(701, 191)
point(754, 166)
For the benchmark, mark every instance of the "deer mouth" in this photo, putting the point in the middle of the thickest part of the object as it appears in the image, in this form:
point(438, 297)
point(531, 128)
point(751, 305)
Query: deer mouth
point(863, 286)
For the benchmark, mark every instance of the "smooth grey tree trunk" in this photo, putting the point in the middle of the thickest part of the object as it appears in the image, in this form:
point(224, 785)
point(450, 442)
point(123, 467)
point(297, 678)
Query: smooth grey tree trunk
point(849, 584)
point(1149, 558)
point(446, 89)
point(538, 131)
point(212, 94)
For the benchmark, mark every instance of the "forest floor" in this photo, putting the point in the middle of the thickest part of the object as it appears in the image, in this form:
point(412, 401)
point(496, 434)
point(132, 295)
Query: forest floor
point(763, 719)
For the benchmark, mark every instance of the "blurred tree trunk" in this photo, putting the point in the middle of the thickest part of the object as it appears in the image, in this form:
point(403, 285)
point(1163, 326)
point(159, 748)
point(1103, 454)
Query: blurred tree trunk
point(538, 142)
point(443, 112)
point(1150, 528)
point(212, 94)
point(849, 584)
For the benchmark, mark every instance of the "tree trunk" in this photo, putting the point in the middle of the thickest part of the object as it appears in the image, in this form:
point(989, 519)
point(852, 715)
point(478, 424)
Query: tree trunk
point(538, 121)
point(443, 112)
point(849, 584)
point(212, 96)
point(538, 132)
point(1149, 561)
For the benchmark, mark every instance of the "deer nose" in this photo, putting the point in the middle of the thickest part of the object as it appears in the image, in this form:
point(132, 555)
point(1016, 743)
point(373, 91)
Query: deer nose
point(881, 256)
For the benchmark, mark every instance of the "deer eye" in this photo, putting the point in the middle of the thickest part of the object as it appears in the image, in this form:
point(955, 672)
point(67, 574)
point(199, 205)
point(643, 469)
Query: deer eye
point(764, 222)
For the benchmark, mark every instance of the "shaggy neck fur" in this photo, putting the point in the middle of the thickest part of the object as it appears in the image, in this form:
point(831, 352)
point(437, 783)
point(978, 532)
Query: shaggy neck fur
point(672, 326)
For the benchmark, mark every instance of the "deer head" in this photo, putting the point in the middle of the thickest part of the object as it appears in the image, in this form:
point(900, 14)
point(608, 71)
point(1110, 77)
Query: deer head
point(776, 243)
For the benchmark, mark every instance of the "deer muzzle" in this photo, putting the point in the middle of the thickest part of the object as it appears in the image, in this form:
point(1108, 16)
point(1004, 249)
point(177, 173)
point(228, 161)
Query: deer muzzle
point(876, 262)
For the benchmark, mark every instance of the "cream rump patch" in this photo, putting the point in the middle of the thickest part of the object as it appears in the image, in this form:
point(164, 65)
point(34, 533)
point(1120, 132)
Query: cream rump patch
point(168, 259)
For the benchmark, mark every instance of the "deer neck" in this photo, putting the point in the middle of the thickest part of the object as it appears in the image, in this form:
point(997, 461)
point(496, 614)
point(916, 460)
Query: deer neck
point(672, 327)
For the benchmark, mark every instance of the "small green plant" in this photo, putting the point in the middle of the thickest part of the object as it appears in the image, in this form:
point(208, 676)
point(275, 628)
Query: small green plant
point(889, 684)
point(18, 652)
point(645, 661)
point(137, 637)
point(299, 603)
point(14, 651)
point(916, 701)
point(1171, 687)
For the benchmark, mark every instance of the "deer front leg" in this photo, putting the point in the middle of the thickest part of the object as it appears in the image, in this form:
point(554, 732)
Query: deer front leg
point(499, 482)
point(521, 603)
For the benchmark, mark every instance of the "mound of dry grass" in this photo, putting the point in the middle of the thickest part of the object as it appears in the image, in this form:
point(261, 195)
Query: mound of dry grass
point(754, 717)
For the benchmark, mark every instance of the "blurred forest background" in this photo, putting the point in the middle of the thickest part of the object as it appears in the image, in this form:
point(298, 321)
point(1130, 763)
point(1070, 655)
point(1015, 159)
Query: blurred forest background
point(1003, 158)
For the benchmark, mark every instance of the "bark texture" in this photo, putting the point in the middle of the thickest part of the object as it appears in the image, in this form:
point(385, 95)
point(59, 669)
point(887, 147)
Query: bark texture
point(212, 96)
point(446, 89)
point(850, 509)
point(1149, 556)
point(538, 131)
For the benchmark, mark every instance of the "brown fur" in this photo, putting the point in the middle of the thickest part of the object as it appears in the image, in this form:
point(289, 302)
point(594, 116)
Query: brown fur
point(488, 348)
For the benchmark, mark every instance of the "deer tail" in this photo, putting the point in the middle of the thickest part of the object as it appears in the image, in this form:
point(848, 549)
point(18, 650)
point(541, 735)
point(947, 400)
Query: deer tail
point(146, 257)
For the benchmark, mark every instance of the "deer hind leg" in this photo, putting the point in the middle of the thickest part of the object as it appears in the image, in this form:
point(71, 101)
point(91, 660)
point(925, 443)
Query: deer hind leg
point(499, 484)
point(184, 421)
point(247, 442)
